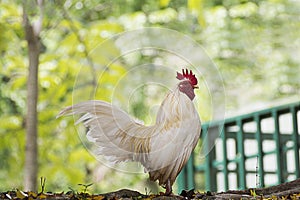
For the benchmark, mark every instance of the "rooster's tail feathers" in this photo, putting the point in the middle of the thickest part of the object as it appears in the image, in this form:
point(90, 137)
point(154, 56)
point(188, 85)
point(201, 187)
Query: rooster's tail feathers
point(112, 130)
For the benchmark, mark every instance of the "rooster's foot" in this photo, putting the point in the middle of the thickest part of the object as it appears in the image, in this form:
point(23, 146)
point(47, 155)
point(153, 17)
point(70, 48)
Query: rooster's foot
point(168, 188)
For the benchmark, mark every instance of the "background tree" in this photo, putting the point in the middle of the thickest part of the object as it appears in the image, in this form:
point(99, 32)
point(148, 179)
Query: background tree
point(32, 34)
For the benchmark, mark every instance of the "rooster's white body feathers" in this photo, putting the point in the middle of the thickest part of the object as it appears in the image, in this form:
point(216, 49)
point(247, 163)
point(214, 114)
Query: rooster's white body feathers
point(163, 148)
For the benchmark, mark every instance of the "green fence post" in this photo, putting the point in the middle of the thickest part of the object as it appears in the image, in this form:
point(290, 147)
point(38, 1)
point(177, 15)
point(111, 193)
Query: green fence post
point(260, 167)
point(225, 160)
point(190, 172)
point(295, 138)
point(241, 155)
point(210, 156)
point(278, 147)
point(181, 180)
point(208, 160)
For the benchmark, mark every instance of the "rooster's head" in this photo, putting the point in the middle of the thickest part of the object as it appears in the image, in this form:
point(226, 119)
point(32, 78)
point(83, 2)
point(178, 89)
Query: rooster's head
point(188, 83)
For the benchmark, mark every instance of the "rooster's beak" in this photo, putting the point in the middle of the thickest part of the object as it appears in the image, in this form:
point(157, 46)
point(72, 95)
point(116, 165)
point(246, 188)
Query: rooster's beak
point(195, 87)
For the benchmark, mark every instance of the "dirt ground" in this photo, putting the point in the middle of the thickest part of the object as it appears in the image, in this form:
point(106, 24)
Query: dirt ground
point(290, 190)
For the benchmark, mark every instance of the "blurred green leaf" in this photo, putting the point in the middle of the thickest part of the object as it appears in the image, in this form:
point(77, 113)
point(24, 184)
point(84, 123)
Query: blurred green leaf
point(196, 7)
point(164, 3)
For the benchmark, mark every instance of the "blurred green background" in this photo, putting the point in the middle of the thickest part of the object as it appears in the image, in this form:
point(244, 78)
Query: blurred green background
point(255, 45)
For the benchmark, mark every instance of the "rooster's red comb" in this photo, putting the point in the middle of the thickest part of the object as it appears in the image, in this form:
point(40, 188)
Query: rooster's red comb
point(186, 75)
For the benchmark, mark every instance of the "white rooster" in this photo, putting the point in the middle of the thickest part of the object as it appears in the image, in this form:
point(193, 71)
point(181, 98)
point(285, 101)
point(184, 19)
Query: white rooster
point(163, 148)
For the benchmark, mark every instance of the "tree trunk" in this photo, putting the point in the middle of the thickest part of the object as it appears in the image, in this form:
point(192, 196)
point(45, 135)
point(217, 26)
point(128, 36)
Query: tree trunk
point(31, 150)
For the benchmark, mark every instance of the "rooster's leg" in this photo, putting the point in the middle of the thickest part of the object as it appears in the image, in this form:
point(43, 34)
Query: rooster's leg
point(168, 188)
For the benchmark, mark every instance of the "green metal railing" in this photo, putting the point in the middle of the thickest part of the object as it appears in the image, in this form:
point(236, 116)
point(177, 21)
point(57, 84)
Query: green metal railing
point(253, 150)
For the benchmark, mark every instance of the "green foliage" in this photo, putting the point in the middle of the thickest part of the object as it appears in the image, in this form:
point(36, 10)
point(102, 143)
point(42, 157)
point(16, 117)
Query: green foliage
point(255, 45)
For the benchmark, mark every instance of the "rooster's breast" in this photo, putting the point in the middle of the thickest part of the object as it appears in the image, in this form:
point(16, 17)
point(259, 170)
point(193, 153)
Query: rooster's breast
point(174, 141)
